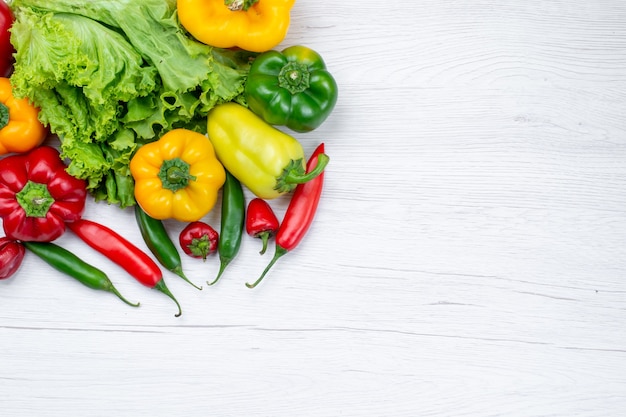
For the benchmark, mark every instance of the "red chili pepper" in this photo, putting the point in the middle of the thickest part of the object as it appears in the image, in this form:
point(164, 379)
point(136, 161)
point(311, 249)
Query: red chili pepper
point(125, 254)
point(11, 256)
point(198, 240)
point(261, 222)
point(299, 214)
point(37, 196)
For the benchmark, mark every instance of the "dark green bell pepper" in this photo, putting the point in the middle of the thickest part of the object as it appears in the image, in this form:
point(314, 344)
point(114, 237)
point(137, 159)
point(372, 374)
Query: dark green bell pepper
point(291, 88)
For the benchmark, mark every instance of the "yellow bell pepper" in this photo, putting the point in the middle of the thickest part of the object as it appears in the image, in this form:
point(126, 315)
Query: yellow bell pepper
point(177, 176)
point(20, 128)
point(252, 25)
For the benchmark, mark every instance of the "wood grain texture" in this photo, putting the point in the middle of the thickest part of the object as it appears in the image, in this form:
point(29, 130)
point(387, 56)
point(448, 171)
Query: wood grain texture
point(468, 257)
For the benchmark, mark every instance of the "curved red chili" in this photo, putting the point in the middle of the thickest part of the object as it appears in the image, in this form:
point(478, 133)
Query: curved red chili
point(122, 252)
point(299, 214)
point(261, 222)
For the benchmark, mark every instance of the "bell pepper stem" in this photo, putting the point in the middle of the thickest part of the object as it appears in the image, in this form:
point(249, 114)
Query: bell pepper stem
point(295, 178)
point(35, 199)
point(174, 174)
point(280, 251)
point(4, 116)
point(160, 286)
point(179, 271)
point(236, 5)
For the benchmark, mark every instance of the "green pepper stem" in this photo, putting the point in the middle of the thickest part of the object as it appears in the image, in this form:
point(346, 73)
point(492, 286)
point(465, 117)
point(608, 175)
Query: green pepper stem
point(4, 115)
point(236, 5)
point(280, 251)
point(293, 177)
point(174, 174)
point(160, 286)
point(223, 264)
point(179, 271)
point(35, 199)
point(200, 246)
point(264, 236)
point(294, 77)
point(114, 290)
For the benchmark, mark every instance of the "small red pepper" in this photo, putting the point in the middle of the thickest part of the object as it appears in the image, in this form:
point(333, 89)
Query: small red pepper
point(299, 214)
point(198, 240)
point(11, 256)
point(261, 222)
point(122, 252)
point(37, 196)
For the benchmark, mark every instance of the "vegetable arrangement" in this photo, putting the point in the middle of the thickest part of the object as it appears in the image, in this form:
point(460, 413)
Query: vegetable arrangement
point(163, 107)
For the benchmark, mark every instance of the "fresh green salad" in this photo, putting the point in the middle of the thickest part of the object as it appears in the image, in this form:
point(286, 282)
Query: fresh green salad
point(111, 75)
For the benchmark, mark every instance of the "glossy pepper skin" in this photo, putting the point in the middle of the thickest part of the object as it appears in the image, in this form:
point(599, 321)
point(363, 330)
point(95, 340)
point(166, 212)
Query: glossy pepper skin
point(20, 128)
point(123, 253)
point(291, 88)
point(37, 196)
point(266, 160)
point(65, 261)
point(11, 256)
point(198, 240)
point(177, 176)
point(232, 225)
point(6, 48)
point(158, 241)
point(252, 25)
point(261, 222)
point(299, 215)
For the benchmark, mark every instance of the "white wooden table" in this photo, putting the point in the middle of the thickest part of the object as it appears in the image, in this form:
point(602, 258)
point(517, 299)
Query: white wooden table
point(468, 257)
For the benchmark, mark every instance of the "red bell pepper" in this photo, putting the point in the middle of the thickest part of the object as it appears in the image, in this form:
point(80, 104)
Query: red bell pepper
point(37, 196)
point(11, 256)
point(261, 222)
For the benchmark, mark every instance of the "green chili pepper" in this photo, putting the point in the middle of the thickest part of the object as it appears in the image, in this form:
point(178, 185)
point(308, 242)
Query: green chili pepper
point(65, 261)
point(291, 88)
point(232, 225)
point(160, 244)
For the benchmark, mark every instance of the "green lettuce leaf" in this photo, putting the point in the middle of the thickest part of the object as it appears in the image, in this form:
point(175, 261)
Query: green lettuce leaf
point(112, 75)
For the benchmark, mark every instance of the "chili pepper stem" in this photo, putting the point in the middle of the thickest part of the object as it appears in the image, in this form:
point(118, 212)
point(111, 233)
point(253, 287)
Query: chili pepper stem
point(116, 292)
point(223, 264)
point(160, 286)
point(280, 251)
point(179, 271)
point(264, 236)
point(295, 178)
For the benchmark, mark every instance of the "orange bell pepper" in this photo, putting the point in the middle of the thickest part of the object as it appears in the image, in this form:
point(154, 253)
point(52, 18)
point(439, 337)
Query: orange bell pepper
point(20, 128)
point(252, 25)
